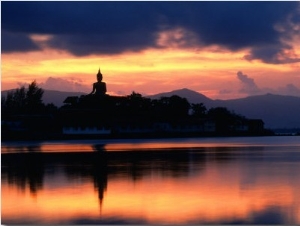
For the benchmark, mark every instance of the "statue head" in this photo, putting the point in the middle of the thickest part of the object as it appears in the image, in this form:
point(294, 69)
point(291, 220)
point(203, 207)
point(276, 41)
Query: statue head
point(99, 75)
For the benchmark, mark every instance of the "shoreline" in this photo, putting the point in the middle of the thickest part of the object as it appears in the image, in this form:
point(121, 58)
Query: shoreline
point(45, 137)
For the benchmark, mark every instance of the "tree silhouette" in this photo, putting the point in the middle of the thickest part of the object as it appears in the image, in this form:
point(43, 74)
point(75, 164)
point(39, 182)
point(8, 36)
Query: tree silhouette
point(25, 115)
point(138, 104)
point(198, 110)
point(34, 96)
point(15, 101)
point(114, 112)
point(173, 107)
point(224, 119)
point(178, 105)
point(21, 101)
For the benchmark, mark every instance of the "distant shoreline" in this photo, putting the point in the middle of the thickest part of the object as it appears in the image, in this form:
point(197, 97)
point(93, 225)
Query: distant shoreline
point(130, 136)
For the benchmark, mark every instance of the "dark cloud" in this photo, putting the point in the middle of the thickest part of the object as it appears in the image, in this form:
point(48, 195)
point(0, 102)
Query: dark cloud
point(81, 45)
point(273, 54)
point(14, 42)
point(84, 28)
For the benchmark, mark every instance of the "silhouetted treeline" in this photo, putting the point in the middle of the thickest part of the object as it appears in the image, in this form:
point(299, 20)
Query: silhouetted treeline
point(132, 107)
point(24, 115)
point(25, 101)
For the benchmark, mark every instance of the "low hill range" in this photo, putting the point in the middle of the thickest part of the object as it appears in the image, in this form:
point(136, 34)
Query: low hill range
point(277, 111)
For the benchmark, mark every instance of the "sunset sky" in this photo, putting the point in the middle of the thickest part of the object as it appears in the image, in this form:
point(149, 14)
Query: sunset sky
point(223, 50)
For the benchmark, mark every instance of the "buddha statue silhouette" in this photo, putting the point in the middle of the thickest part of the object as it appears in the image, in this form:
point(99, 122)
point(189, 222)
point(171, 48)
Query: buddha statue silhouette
point(99, 87)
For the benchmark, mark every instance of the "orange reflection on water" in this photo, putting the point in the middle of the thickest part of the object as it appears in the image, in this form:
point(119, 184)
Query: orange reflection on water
point(144, 144)
point(216, 194)
point(207, 198)
point(47, 147)
point(55, 205)
point(61, 147)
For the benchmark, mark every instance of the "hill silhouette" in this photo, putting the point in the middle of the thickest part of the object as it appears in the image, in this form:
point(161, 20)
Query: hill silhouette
point(277, 111)
point(190, 95)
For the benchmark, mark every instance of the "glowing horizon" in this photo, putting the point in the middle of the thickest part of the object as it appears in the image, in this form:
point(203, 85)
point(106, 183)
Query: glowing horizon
point(160, 48)
point(149, 72)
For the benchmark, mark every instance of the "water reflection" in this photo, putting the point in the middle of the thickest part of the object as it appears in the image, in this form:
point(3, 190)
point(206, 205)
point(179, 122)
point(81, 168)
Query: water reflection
point(147, 144)
point(217, 185)
point(28, 173)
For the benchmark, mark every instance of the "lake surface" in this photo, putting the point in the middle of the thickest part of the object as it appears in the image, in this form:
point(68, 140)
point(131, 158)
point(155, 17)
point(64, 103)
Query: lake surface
point(245, 180)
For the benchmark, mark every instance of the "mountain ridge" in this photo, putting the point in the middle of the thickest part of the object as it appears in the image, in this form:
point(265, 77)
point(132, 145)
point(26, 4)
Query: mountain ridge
point(277, 111)
point(191, 95)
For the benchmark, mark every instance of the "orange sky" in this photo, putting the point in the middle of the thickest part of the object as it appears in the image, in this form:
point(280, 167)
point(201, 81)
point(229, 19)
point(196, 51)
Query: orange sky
point(160, 47)
point(210, 71)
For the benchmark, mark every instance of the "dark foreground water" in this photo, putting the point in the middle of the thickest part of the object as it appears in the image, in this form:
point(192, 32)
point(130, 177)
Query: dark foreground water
point(169, 181)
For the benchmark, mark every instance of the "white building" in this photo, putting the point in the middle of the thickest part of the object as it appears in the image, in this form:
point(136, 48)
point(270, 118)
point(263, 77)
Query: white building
point(85, 130)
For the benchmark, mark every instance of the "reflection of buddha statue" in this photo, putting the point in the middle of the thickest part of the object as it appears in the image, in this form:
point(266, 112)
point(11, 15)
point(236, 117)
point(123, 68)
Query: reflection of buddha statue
point(99, 87)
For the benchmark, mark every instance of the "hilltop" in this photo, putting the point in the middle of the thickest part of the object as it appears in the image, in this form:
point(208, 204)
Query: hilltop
point(277, 111)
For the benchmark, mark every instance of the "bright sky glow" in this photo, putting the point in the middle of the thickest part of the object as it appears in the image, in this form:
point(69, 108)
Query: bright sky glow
point(177, 56)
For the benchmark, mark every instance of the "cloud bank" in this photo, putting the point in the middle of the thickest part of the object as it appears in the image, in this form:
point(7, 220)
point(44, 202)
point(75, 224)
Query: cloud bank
point(64, 84)
point(86, 28)
point(248, 86)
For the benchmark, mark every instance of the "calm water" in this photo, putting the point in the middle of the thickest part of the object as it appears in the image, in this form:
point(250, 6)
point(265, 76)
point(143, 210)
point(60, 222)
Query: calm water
point(168, 181)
